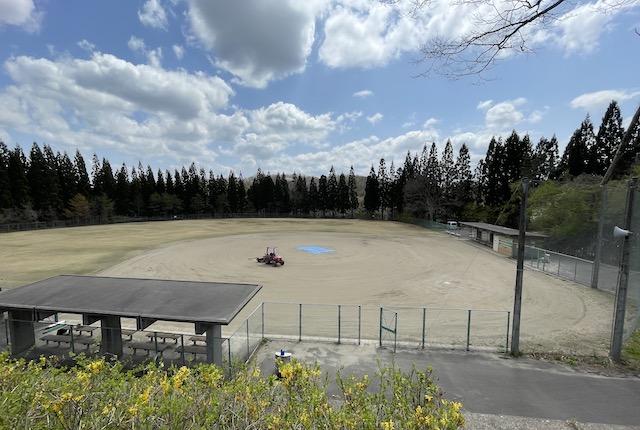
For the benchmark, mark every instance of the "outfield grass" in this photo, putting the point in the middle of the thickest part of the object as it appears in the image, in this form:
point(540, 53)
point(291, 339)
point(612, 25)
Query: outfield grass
point(33, 255)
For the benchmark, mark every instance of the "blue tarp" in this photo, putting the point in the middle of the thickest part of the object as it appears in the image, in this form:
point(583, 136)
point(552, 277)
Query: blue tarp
point(315, 249)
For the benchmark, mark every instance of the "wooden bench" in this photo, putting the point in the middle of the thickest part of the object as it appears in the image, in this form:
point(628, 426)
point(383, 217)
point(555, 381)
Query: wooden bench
point(88, 328)
point(198, 338)
point(164, 336)
point(193, 349)
point(128, 333)
point(63, 338)
point(146, 346)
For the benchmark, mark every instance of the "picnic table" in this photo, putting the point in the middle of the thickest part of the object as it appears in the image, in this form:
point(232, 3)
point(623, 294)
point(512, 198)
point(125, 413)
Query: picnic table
point(128, 333)
point(164, 336)
point(65, 338)
point(198, 338)
point(145, 346)
point(88, 328)
point(192, 349)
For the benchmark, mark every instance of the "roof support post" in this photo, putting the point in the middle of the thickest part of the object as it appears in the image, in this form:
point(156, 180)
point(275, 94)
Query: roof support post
point(21, 332)
point(111, 330)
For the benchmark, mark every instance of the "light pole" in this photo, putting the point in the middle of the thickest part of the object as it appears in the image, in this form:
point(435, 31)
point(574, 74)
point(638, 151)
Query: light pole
point(623, 279)
point(517, 302)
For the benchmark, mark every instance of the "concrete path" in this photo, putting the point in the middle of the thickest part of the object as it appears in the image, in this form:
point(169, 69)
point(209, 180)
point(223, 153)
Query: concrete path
point(497, 392)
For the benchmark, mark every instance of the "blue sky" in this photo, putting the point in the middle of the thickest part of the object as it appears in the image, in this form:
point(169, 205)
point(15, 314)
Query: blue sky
point(291, 86)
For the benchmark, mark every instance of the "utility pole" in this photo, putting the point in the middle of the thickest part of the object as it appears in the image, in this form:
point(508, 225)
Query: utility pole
point(517, 302)
point(617, 336)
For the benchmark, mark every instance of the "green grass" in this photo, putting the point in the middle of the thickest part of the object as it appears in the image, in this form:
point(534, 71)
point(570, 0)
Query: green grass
point(631, 351)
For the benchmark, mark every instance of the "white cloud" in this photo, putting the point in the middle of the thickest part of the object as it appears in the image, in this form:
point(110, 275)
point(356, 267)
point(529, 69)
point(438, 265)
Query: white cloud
point(86, 45)
point(257, 44)
point(486, 104)
point(153, 14)
point(286, 121)
point(364, 35)
point(599, 99)
point(375, 118)
point(504, 115)
point(136, 44)
point(178, 51)
point(363, 94)
point(20, 13)
point(106, 102)
point(154, 56)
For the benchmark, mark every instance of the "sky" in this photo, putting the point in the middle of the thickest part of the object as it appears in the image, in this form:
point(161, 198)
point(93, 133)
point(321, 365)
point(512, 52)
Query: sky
point(290, 86)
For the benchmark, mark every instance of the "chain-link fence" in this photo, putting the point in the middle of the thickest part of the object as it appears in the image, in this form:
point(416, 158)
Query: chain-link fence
point(466, 328)
point(323, 322)
point(568, 267)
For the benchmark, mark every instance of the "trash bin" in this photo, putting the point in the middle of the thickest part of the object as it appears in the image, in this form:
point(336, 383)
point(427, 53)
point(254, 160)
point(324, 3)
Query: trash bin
point(283, 357)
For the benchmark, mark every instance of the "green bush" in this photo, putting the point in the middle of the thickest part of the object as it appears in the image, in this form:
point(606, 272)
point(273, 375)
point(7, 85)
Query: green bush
point(97, 394)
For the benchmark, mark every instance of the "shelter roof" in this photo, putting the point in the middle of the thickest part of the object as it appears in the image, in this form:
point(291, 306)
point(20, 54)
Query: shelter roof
point(167, 300)
point(506, 231)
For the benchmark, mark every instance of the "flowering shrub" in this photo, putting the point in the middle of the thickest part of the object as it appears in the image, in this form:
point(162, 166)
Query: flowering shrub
point(100, 394)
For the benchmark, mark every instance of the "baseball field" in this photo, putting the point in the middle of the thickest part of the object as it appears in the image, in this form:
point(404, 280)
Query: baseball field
point(353, 262)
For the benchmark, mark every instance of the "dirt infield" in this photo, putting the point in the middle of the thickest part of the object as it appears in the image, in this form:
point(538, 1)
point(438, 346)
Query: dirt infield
point(370, 264)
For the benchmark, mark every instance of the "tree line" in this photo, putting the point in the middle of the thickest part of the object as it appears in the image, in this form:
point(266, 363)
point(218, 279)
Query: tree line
point(48, 186)
point(441, 188)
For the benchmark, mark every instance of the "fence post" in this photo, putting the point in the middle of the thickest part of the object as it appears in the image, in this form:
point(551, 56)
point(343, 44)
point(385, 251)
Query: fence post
point(182, 350)
point(300, 324)
point(262, 309)
point(508, 327)
point(359, 322)
point(575, 271)
point(248, 342)
point(559, 263)
point(380, 325)
point(339, 319)
point(468, 328)
point(424, 325)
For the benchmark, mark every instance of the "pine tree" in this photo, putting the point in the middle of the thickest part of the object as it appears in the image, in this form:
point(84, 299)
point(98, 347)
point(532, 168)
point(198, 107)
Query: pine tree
point(343, 195)
point(83, 181)
point(5, 185)
point(353, 192)
point(232, 192)
point(242, 195)
point(323, 195)
point(463, 180)
point(313, 196)
point(608, 139)
point(67, 178)
point(383, 187)
point(544, 163)
point(576, 157)
point(332, 192)
point(122, 202)
point(372, 193)
point(448, 171)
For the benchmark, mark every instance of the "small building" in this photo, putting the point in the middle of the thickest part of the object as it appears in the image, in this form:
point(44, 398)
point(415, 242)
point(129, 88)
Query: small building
point(503, 240)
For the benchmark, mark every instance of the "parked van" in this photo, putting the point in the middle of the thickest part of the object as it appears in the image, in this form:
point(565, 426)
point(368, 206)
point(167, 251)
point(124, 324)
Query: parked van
point(452, 225)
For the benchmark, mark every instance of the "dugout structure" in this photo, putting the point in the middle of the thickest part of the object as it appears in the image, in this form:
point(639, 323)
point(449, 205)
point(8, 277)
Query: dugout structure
point(208, 305)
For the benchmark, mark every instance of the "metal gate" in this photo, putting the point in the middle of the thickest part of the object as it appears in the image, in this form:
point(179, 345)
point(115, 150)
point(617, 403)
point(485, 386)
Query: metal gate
point(388, 328)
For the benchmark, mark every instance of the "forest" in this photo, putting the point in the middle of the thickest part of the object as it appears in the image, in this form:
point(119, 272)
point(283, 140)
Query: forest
point(49, 186)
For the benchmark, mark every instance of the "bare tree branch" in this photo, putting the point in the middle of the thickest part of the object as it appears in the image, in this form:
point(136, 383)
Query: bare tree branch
point(499, 28)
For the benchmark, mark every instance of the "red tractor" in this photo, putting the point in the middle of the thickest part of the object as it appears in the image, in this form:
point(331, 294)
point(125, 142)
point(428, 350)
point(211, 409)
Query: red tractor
point(271, 257)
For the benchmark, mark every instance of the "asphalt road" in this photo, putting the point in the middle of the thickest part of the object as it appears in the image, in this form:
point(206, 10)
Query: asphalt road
point(497, 392)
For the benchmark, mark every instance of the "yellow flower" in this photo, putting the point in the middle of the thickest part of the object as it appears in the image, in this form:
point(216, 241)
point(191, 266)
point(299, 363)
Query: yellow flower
point(66, 397)
point(95, 366)
point(133, 410)
point(387, 425)
point(83, 377)
point(144, 397)
point(108, 409)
